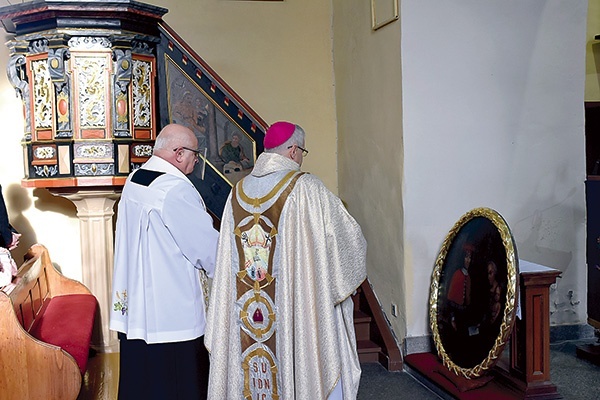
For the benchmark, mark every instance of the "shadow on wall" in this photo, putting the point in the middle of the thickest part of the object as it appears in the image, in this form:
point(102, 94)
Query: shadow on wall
point(46, 201)
point(565, 301)
point(17, 199)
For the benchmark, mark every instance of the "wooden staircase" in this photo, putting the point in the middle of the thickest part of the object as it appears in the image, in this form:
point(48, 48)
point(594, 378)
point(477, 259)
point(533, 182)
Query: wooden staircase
point(374, 339)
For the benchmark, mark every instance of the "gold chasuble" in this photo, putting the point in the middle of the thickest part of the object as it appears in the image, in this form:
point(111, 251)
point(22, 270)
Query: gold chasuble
point(280, 320)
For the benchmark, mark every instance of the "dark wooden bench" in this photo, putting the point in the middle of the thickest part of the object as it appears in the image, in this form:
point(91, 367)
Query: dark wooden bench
point(46, 323)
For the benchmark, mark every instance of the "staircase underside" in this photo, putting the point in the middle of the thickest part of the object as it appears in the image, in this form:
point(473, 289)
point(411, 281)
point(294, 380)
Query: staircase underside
point(374, 339)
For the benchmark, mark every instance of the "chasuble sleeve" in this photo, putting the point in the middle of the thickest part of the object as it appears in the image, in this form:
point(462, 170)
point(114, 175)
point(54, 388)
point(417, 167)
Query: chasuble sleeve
point(340, 235)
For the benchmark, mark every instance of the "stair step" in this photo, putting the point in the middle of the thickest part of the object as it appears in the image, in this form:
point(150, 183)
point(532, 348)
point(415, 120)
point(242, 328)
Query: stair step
point(361, 317)
point(362, 332)
point(362, 325)
point(368, 352)
point(370, 324)
point(367, 346)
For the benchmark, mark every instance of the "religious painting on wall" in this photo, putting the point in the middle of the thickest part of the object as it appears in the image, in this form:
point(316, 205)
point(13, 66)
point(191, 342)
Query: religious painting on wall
point(474, 293)
point(228, 149)
point(230, 134)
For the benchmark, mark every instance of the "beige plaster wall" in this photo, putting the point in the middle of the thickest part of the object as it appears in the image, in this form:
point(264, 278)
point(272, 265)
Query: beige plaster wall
point(369, 112)
point(592, 61)
point(276, 56)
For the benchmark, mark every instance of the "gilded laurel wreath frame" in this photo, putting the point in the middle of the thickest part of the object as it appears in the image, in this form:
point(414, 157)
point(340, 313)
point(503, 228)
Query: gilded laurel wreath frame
point(508, 314)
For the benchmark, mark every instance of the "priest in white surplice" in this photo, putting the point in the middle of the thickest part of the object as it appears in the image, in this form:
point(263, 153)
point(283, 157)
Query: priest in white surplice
point(280, 320)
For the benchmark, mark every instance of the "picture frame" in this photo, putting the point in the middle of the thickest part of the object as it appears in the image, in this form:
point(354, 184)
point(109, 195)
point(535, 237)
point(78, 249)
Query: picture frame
point(473, 293)
point(383, 12)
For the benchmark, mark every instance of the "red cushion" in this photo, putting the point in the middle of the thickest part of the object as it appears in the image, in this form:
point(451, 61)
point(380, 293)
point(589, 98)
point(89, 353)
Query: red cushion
point(463, 384)
point(67, 322)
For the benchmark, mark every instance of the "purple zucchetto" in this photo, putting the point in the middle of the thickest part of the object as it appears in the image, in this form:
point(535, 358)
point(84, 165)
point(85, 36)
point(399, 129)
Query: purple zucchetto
point(278, 133)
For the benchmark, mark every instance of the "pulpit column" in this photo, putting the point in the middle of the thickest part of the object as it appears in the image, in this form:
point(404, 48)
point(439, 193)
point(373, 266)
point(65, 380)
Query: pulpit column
point(95, 210)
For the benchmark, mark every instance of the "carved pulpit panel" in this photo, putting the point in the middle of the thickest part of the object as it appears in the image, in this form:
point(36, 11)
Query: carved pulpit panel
point(41, 104)
point(91, 70)
point(87, 79)
point(143, 78)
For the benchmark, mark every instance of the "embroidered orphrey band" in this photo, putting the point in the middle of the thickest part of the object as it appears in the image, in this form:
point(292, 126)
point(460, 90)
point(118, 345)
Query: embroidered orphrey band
point(256, 238)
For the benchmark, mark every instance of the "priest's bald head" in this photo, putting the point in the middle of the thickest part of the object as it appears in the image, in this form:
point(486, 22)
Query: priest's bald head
point(287, 139)
point(178, 145)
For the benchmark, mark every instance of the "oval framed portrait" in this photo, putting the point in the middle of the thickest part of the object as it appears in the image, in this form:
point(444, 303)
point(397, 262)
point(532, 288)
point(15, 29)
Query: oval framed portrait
point(473, 294)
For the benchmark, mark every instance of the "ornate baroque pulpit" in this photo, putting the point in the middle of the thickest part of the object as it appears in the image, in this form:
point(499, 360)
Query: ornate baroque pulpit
point(86, 75)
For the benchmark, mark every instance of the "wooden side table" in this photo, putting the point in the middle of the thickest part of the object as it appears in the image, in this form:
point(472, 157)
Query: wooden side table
point(529, 368)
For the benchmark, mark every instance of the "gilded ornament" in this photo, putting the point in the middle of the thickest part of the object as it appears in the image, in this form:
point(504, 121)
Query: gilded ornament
point(121, 108)
point(44, 153)
point(63, 108)
point(142, 150)
point(42, 88)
